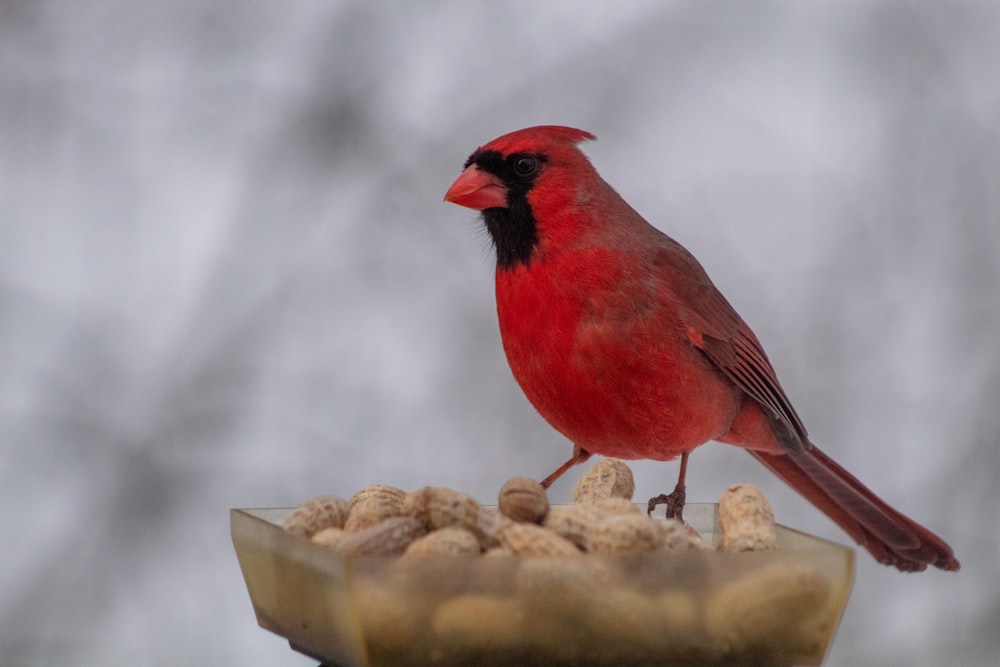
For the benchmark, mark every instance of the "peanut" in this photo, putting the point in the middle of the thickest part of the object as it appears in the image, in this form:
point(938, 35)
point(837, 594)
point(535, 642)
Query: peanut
point(627, 534)
point(444, 542)
point(523, 499)
point(329, 537)
point(528, 539)
point(616, 505)
point(371, 510)
point(385, 614)
point(575, 522)
point(316, 514)
point(624, 623)
point(548, 577)
point(500, 551)
point(388, 538)
point(695, 540)
point(489, 524)
point(678, 536)
point(605, 479)
point(384, 492)
point(437, 507)
point(480, 622)
point(759, 608)
point(746, 519)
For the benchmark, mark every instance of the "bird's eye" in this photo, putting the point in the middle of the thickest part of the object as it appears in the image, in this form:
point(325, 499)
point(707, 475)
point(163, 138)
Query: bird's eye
point(525, 166)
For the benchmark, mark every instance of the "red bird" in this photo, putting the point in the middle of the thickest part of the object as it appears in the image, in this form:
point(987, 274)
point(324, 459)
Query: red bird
point(620, 340)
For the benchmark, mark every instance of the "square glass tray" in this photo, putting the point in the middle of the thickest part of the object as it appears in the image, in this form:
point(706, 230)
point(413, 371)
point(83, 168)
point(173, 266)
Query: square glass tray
point(694, 608)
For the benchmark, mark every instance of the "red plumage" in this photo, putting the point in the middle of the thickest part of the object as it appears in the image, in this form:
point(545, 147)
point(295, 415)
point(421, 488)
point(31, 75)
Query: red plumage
point(620, 340)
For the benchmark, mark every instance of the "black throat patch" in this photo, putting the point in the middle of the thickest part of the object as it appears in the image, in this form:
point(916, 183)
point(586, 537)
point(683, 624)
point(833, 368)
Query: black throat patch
point(513, 230)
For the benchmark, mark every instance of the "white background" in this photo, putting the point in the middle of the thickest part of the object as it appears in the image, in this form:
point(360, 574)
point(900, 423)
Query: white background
point(227, 279)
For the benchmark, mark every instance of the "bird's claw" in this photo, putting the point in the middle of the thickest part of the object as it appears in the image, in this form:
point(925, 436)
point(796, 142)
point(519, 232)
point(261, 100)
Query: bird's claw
point(674, 501)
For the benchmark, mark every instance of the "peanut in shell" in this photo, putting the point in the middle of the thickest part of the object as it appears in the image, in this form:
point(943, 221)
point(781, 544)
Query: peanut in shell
point(316, 514)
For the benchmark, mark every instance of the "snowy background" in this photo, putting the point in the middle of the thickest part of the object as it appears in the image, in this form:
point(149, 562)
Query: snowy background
point(227, 279)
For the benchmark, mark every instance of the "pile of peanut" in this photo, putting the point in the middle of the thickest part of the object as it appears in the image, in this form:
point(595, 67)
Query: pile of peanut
point(555, 605)
point(382, 520)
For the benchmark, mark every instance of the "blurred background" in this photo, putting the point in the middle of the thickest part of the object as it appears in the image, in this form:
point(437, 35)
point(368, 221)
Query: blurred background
point(227, 279)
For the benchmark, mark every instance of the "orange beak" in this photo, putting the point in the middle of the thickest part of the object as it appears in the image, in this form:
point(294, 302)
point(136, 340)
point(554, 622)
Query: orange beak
point(477, 189)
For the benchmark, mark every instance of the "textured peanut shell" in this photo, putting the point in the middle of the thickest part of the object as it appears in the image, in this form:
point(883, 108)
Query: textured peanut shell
point(489, 524)
point(444, 542)
point(383, 492)
point(438, 507)
point(616, 505)
point(627, 534)
point(528, 539)
point(388, 538)
point(678, 536)
point(609, 478)
point(695, 540)
point(329, 537)
point(316, 514)
point(523, 499)
point(575, 522)
point(371, 510)
point(746, 520)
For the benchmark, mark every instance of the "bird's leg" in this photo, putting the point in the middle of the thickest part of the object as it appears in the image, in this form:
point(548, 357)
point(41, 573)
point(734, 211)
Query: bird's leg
point(675, 499)
point(579, 456)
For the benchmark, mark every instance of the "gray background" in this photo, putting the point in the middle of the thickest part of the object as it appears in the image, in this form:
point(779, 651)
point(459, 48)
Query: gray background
point(227, 279)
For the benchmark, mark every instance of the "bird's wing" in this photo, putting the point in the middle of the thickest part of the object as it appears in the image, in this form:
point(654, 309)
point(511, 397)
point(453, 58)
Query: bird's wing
point(742, 359)
point(715, 328)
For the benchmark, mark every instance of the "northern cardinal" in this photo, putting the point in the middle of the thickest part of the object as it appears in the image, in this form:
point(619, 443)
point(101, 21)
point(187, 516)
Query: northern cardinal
point(620, 340)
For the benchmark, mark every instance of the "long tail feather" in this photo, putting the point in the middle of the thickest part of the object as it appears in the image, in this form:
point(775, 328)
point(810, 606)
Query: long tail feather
point(889, 536)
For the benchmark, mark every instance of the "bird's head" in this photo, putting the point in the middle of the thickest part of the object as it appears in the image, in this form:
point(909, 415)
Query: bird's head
point(525, 183)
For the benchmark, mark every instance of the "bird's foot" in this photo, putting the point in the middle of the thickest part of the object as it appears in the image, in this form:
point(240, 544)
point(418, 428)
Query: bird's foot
point(674, 502)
